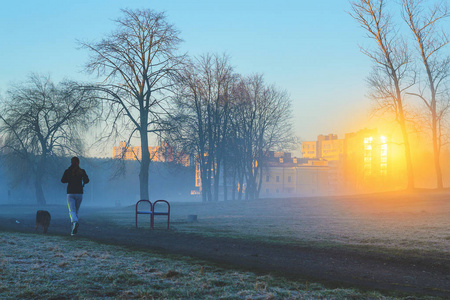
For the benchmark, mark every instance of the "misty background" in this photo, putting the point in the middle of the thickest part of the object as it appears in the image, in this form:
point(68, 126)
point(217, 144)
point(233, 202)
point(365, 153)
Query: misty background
point(108, 186)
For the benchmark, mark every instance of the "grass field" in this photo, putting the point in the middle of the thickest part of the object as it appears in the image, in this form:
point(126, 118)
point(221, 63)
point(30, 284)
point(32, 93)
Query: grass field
point(34, 266)
point(417, 222)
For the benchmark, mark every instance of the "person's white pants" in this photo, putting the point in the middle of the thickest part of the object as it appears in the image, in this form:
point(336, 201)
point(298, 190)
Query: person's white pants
point(74, 202)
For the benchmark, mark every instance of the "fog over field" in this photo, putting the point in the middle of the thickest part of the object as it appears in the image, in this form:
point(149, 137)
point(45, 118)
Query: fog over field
point(112, 183)
point(416, 221)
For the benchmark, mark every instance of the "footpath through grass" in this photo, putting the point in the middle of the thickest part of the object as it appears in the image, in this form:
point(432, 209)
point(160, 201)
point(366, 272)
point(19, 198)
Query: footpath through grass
point(36, 266)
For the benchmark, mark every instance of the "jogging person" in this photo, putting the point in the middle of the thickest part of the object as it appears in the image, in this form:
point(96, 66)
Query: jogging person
point(76, 179)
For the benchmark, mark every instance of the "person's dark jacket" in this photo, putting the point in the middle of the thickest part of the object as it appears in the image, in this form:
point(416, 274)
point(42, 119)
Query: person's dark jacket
point(76, 179)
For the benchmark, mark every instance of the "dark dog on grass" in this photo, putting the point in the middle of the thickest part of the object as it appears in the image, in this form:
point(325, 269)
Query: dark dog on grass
point(43, 218)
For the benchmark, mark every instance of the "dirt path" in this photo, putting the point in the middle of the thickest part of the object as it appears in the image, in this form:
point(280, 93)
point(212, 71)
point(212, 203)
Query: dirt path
point(412, 275)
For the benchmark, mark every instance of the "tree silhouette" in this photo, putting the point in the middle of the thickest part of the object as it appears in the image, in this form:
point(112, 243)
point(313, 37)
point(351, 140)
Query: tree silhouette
point(430, 43)
point(389, 79)
point(40, 121)
point(137, 61)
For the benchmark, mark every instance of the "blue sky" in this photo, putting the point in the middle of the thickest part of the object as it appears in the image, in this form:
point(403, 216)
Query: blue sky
point(309, 48)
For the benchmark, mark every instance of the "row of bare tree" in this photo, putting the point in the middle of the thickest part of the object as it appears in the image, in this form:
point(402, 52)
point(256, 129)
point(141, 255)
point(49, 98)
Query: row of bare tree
point(199, 105)
point(230, 122)
point(408, 64)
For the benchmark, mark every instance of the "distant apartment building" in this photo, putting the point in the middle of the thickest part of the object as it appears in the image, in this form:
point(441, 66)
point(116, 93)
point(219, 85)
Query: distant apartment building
point(327, 147)
point(331, 148)
point(309, 149)
point(127, 153)
point(286, 176)
point(367, 160)
point(157, 154)
point(359, 162)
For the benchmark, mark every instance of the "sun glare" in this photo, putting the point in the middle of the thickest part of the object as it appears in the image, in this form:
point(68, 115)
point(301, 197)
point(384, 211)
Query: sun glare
point(371, 144)
point(383, 155)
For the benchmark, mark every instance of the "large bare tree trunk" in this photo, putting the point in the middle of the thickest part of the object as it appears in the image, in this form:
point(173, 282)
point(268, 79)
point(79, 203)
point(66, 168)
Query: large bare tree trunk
point(437, 162)
point(434, 126)
point(145, 164)
point(40, 198)
point(241, 184)
point(409, 165)
point(225, 183)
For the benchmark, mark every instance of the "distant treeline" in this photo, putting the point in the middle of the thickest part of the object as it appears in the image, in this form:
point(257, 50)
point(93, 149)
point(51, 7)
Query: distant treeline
point(113, 182)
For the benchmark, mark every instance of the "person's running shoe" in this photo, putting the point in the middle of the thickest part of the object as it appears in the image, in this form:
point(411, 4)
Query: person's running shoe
point(74, 228)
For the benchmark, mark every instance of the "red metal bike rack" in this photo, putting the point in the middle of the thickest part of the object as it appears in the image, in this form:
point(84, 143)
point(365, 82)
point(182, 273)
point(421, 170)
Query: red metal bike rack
point(144, 212)
point(160, 213)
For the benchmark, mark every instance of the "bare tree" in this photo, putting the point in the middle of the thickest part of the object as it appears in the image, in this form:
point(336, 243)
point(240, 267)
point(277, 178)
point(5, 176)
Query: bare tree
point(237, 145)
point(389, 80)
point(430, 42)
point(41, 120)
point(137, 60)
point(203, 111)
point(262, 119)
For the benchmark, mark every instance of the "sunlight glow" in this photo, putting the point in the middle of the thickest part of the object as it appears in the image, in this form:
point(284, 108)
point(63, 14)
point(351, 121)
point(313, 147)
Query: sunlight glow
point(383, 155)
point(371, 152)
point(368, 156)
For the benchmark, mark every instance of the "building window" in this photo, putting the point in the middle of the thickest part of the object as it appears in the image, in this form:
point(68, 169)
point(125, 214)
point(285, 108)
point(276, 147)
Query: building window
point(289, 179)
point(278, 191)
point(267, 178)
point(368, 156)
point(278, 178)
point(267, 191)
